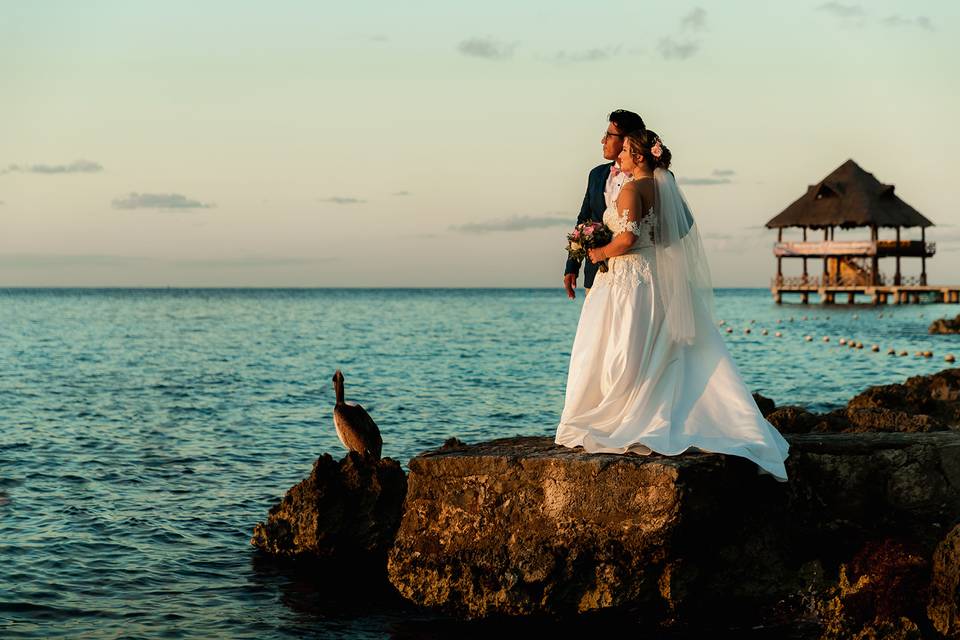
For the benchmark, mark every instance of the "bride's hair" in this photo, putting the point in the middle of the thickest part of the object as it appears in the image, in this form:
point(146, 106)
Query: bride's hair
point(642, 143)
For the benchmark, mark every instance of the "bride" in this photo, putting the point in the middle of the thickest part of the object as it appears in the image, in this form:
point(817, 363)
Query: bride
point(649, 372)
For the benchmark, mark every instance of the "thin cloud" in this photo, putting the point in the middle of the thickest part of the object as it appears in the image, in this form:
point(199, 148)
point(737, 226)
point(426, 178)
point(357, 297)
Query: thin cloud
point(77, 166)
point(683, 47)
point(841, 10)
point(169, 201)
point(249, 261)
point(717, 236)
point(58, 261)
point(718, 176)
point(516, 223)
point(919, 22)
point(944, 232)
point(749, 240)
point(671, 49)
point(695, 20)
point(486, 48)
point(588, 55)
point(53, 261)
point(342, 200)
point(702, 182)
point(946, 235)
point(856, 15)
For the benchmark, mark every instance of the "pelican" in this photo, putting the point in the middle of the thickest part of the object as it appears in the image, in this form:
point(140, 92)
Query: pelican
point(355, 428)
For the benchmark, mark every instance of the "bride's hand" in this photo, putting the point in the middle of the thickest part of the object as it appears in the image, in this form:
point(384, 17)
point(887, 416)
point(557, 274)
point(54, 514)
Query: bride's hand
point(596, 255)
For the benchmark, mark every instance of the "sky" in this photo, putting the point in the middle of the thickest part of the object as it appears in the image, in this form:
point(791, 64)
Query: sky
point(436, 143)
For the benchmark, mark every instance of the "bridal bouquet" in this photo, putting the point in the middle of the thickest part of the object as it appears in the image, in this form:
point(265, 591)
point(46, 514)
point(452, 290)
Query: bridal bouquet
point(589, 235)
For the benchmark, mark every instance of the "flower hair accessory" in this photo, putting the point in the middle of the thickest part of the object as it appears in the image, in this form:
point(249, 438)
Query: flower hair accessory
point(657, 149)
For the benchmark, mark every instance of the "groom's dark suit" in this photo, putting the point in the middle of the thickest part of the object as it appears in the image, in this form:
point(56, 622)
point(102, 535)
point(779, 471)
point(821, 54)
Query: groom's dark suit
point(592, 209)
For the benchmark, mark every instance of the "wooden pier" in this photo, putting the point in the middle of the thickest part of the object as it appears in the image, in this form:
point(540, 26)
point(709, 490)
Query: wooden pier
point(834, 292)
point(846, 199)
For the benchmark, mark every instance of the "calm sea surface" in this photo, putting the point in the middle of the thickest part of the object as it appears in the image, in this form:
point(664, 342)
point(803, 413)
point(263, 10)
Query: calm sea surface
point(144, 432)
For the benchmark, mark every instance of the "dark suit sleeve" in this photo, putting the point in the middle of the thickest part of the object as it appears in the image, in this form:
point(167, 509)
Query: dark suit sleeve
point(573, 266)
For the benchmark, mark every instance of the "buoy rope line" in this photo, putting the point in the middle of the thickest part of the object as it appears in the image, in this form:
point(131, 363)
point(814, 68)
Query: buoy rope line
point(850, 342)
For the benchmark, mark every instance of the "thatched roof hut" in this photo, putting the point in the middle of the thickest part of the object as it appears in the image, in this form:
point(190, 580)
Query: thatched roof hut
point(849, 197)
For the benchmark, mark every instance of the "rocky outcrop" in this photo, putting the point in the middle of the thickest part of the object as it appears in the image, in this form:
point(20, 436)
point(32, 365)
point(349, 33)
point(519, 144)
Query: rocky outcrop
point(944, 605)
point(344, 512)
point(520, 526)
point(863, 542)
point(945, 325)
point(922, 404)
point(879, 593)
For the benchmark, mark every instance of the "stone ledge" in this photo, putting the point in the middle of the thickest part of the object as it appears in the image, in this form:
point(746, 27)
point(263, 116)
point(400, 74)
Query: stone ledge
point(519, 526)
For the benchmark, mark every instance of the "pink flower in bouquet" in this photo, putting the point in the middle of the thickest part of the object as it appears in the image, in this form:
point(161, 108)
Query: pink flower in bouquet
point(588, 235)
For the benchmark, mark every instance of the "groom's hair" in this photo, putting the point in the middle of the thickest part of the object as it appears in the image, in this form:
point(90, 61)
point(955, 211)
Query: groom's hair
point(626, 121)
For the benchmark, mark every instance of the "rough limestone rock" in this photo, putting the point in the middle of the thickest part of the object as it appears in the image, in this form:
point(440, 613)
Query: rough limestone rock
point(343, 512)
point(880, 593)
point(519, 526)
point(792, 419)
point(945, 325)
point(944, 606)
point(922, 404)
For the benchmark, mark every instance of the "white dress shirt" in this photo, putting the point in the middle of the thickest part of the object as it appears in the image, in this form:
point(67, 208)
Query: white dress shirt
point(612, 189)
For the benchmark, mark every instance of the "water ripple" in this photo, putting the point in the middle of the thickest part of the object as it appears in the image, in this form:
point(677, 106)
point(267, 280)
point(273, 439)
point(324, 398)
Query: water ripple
point(146, 431)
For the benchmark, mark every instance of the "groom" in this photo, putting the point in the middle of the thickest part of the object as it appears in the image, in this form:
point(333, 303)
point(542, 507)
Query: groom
point(603, 187)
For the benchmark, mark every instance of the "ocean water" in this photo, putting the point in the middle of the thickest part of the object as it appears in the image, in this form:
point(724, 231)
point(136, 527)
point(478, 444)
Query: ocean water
point(143, 433)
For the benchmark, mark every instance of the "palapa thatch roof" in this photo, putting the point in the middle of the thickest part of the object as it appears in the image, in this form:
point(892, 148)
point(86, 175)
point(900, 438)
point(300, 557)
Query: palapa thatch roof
point(849, 197)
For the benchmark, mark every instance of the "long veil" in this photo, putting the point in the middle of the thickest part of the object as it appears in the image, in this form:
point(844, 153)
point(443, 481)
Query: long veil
point(682, 273)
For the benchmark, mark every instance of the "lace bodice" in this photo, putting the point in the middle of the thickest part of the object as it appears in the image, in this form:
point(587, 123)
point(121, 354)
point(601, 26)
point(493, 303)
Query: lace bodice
point(631, 269)
point(642, 228)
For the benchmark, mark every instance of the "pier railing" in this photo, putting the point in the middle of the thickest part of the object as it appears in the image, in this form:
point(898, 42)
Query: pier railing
point(817, 281)
point(906, 248)
point(826, 247)
point(881, 248)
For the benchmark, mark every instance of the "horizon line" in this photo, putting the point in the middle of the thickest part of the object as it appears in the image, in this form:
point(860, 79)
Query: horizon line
point(294, 287)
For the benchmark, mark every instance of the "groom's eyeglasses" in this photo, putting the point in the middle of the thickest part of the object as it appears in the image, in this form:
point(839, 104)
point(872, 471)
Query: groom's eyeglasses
point(607, 134)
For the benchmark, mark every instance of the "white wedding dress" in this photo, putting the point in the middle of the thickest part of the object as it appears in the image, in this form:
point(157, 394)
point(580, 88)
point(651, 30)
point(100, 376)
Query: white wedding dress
point(631, 387)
